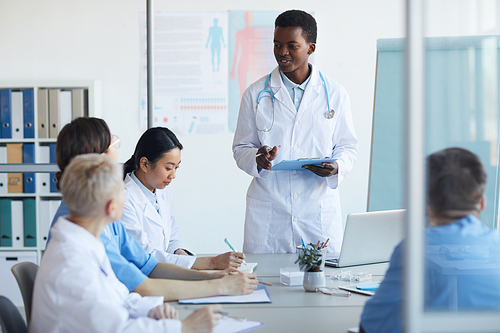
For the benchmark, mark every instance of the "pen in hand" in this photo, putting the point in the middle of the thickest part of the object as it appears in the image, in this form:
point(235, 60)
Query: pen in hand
point(232, 248)
point(279, 146)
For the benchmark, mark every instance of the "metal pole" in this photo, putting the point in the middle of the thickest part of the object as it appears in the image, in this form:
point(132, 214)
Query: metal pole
point(150, 62)
point(29, 167)
point(415, 169)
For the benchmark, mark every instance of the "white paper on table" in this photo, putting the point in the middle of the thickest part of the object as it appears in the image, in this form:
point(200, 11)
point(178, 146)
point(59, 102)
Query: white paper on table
point(248, 267)
point(143, 304)
point(259, 295)
point(232, 325)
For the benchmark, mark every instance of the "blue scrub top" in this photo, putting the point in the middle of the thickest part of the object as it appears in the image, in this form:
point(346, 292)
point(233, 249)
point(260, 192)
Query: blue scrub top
point(465, 246)
point(130, 262)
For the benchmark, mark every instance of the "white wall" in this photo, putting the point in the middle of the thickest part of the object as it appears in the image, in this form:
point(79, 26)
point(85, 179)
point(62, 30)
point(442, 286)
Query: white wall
point(96, 39)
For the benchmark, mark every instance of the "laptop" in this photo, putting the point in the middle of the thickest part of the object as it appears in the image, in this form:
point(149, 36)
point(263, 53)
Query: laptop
point(370, 238)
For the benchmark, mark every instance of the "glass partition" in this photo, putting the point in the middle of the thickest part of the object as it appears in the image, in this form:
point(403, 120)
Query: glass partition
point(462, 255)
point(461, 247)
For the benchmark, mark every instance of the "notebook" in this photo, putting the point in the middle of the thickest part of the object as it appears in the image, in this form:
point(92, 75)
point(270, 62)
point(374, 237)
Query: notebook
point(370, 238)
point(232, 325)
point(248, 267)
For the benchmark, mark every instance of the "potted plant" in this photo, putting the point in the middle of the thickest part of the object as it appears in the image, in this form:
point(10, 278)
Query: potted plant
point(310, 260)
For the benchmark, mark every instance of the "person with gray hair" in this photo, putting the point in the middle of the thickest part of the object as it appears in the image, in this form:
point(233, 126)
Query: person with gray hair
point(75, 287)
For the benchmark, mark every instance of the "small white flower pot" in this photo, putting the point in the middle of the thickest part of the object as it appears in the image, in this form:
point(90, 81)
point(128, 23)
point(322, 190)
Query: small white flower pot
point(313, 280)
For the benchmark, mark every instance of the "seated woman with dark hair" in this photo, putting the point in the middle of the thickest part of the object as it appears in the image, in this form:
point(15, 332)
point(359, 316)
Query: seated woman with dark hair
point(149, 215)
point(455, 238)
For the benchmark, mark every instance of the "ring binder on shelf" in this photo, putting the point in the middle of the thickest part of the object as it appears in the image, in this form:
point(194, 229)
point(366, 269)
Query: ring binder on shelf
point(29, 113)
point(29, 177)
point(5, 114)
point(43, 113)
point(17, 114)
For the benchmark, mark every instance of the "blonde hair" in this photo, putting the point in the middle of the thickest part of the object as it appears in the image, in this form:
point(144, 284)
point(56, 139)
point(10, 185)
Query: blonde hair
point(89, 182)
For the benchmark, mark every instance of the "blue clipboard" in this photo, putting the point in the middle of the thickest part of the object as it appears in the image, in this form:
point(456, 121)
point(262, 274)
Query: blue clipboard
point(297, 164)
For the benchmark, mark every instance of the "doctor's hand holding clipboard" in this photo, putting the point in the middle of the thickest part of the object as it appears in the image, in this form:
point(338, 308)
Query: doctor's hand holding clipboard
point(325, 170)
point(265, 155)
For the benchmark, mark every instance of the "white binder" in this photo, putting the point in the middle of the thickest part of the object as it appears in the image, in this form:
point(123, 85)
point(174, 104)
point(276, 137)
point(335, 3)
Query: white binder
point(17, 115)
point(43, 179)
point(65, 108)
point(46, 212)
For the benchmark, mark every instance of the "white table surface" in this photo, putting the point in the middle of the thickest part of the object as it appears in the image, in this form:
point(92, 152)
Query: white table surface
point(295, 310)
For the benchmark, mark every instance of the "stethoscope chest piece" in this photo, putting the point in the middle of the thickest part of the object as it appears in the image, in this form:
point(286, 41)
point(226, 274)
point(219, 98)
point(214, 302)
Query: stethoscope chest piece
point(329, 114)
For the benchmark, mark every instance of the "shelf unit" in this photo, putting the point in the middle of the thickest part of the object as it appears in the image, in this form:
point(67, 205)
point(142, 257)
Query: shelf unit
point(46, 202)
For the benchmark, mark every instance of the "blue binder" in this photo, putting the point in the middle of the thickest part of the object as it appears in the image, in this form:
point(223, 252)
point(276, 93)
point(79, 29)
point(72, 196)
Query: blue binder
point(6, 114)
point(29, 157)
point(29, 114)
point(53, 180)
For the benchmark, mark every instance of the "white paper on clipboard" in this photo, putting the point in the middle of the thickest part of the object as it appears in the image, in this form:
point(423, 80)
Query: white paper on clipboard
point(259, 295)
point(297, 164)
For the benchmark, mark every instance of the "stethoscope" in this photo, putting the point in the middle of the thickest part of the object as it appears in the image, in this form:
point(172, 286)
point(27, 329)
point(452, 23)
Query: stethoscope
point(328, 114)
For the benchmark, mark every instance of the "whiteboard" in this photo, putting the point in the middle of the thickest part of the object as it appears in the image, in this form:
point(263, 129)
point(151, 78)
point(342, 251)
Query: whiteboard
point(462, 103)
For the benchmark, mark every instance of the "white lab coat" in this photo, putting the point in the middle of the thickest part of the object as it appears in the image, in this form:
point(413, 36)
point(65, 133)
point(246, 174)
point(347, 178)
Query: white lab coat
point(76, 290)
point(156, 232)
point(283, 206)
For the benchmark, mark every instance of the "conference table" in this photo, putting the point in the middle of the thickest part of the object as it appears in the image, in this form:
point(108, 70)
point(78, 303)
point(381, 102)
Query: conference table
point(292, 308)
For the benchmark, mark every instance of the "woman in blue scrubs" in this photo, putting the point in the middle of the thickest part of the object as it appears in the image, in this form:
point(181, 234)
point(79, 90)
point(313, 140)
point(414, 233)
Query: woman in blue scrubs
point(133, 266)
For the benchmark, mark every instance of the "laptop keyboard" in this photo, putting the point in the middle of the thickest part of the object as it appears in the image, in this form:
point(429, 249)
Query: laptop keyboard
point(332, 261)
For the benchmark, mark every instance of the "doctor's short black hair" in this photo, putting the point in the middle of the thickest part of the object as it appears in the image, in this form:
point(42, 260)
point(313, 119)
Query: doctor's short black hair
point(299, 18)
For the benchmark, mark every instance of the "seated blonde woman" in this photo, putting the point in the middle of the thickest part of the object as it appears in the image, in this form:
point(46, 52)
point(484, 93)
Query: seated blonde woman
point(75, 288)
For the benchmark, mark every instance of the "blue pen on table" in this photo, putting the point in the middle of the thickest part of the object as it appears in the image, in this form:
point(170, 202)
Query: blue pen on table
point(232, 248)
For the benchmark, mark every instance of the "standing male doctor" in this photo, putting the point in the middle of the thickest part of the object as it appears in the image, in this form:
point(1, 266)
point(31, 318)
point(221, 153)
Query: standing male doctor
point(311, 117)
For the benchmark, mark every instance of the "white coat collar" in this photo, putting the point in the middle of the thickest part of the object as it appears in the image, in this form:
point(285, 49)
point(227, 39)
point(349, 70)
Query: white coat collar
point(310, 94)
point(140, 200)
point(65, 231)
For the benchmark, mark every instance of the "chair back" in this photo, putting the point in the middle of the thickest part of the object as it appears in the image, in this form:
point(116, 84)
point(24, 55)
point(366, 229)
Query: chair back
point(11, 320)
point(25, 273)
